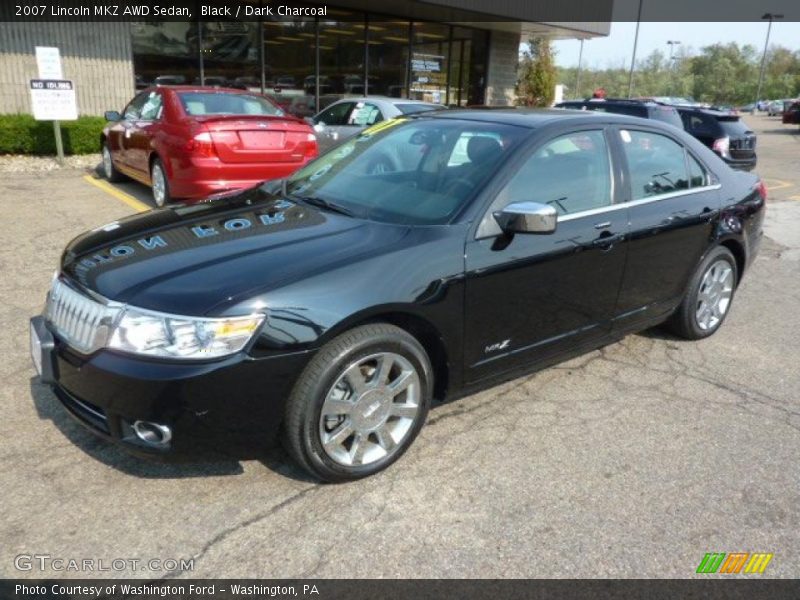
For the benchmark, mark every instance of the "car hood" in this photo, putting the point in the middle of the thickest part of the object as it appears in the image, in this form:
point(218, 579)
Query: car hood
point(198, 259)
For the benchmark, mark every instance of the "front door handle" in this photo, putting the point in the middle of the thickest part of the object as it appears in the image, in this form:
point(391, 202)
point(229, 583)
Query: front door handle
point(607, 242)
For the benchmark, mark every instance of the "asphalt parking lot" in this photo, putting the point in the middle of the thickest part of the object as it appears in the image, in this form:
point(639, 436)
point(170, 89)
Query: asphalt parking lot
point(631, 461)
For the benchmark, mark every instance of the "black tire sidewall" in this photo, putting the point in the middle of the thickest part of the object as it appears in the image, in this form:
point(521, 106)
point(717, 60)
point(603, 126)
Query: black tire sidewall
point(314, 453)
point(689, 316)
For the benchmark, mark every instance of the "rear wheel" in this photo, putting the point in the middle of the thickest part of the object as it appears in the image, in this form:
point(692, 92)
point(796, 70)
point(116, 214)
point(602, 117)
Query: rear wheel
point(708, 298)
point(109, 170)
point(359, 403)
point(159, 183)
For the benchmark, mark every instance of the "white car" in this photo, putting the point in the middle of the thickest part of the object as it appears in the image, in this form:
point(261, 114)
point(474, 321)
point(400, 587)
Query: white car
point(345, 118)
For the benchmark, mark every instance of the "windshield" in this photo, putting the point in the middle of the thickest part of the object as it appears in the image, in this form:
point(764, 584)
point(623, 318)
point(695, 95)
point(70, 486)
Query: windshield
point(411, 171)
point(220, 103)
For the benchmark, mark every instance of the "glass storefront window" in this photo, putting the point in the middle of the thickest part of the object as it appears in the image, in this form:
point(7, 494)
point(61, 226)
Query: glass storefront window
point(341, 57)
point(289, 64)
point(358, 55)
point(164, 53)
point(468, 67)
point(229, 50)
point(388, 57)
point(429, 59)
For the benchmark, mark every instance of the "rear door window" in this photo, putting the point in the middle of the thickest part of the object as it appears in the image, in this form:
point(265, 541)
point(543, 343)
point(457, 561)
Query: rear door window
point(364, 115)
point(698, 177)
point(336, 115)
point(657, 164)
point(696, 122)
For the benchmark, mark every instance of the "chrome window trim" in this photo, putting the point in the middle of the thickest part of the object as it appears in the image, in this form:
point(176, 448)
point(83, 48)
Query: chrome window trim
point(641, 201)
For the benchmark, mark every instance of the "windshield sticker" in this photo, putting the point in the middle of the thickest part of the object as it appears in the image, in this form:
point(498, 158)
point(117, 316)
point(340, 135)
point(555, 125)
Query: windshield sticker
point(626, 136)
point(381, 126)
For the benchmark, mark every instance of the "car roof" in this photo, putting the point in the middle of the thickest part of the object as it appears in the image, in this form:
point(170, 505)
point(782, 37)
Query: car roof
point(706, 111)
point(199, 88)
point(530, 117)
point(387, 99)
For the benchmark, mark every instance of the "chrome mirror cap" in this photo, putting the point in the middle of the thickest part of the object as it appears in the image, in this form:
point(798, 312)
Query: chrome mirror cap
point(527, 217)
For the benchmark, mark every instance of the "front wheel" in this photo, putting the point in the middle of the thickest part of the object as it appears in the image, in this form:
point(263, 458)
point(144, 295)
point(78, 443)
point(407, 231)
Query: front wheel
point(359, 403)
point(708, 298)
point(109, 170)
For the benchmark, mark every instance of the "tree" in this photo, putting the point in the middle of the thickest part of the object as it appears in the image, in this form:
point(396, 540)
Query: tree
point(536, 85)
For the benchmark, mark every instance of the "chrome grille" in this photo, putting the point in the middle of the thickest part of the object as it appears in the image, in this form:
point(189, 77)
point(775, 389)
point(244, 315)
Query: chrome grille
point(83, 322)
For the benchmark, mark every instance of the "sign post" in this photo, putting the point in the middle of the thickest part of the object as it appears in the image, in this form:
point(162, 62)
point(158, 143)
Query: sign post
point(52, 96)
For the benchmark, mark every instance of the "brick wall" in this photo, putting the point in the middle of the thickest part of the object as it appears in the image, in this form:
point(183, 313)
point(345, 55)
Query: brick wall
point(502, 70)
point(97, 57)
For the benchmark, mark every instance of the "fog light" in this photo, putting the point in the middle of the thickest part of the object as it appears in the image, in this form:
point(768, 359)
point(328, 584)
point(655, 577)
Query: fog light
point(152, 434)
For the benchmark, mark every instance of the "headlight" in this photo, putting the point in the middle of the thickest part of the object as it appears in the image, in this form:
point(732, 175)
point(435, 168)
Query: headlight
point(172, 336)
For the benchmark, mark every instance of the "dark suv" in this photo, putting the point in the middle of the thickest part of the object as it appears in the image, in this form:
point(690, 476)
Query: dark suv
point(723, 132)
point(646, 109)
point(791, 112)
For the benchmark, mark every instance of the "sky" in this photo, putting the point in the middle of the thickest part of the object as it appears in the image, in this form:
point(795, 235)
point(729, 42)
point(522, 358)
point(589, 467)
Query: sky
point(611, 51)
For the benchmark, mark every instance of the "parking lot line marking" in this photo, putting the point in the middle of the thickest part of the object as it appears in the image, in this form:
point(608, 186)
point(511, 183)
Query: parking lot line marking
point(779, 185)
point(119, 195)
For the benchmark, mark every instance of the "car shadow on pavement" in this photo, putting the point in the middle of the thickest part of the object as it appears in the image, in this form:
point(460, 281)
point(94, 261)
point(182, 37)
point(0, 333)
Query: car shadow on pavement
point(128, 186)
point(660, 332)
point(783, 130)
point(49, 408)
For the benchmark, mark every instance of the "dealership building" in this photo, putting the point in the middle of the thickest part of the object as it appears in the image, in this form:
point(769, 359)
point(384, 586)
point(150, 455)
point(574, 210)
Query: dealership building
point(454, 52)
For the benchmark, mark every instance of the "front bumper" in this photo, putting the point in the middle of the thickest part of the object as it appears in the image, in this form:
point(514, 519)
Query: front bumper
point(231, 407)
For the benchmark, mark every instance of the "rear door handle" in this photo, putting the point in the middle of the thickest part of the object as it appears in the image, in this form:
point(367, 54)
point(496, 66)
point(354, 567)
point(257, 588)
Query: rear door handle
point(602, 225)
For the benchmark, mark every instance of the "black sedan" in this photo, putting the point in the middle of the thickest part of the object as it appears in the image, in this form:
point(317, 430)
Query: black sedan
point(335, 306)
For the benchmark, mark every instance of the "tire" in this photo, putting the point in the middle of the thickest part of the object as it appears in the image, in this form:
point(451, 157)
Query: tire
point(715, 278)
point(161, 195)
point(338, 433)
point(109, 170)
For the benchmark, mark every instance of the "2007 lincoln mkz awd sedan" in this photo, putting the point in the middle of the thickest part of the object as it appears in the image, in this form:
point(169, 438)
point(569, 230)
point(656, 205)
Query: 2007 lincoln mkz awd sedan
point(334, 306)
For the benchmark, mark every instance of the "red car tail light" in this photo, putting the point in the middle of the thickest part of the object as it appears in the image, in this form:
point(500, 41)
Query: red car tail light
point(722, 146)
point(762, 189)
point(311, 146)
point(202, 145)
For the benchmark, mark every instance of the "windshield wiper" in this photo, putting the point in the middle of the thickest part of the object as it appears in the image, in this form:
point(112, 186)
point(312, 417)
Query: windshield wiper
point(322, 203)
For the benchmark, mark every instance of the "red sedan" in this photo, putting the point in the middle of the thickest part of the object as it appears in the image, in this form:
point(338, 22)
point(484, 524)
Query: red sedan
point(189, 142)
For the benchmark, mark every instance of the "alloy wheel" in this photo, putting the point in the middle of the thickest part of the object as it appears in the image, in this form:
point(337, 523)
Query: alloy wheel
point(370, 409)
point(714, 295)
point(159, 185)
point(108, 167)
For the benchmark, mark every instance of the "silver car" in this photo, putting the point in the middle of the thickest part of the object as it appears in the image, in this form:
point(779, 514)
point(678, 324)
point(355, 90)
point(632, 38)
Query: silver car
point(775, 108)
point(345, 118)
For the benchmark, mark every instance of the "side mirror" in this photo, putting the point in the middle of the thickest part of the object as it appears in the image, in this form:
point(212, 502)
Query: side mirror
point(112, 115)
point(319, 126)
point(527, 217)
